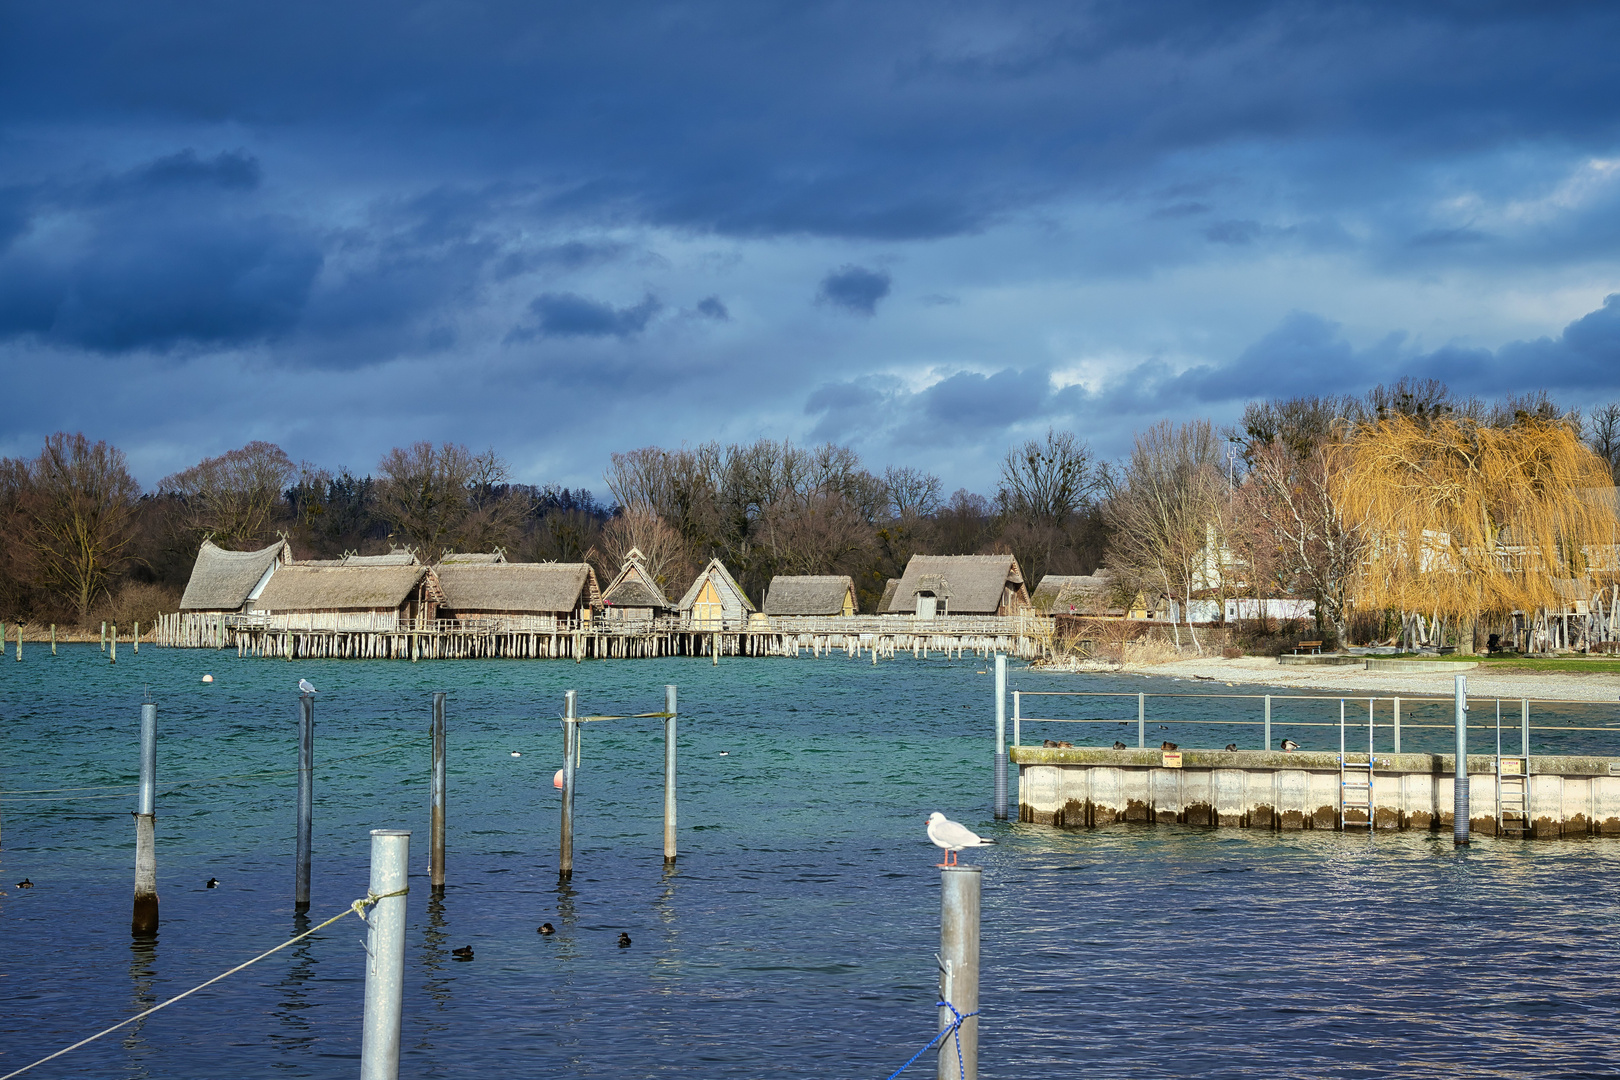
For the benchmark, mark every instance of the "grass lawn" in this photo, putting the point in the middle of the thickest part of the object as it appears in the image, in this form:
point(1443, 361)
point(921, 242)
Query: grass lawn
point(1596, 665)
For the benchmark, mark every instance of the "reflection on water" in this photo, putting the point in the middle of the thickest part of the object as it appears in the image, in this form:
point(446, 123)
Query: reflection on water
point(796, 935)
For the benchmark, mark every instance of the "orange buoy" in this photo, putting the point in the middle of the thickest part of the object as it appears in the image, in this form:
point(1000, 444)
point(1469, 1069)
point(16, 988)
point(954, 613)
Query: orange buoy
point(556, 781)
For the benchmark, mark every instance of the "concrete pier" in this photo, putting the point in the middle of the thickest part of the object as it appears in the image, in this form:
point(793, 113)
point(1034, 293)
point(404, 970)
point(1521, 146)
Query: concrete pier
point(1256, 789)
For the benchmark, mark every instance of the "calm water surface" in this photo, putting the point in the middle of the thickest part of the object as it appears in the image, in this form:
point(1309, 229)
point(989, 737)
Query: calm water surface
point(796, 937)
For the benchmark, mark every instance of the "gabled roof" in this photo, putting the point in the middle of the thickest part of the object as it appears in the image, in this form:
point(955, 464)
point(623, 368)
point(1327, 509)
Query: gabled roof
point(479, 558)
point(396, 557)
point(342, 588)
point(1086, 594)
point(717, 572)
point(634, 586)
point(520, 588)
point(889, 588)
point(223, 580)
point(974, 582)
point(808, 594)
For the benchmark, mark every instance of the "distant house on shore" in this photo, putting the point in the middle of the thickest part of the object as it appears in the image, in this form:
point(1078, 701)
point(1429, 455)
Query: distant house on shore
point(224, 581)
point(1077, 594)
point(634, 595)
point(715, 601)
point(959, 585)
point(531, 596)
point(352, 597)
point(811, 594)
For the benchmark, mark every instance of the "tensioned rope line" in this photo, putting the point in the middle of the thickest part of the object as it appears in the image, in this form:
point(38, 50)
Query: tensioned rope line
point(124, 789)
point(356, 908)
point(953, 1028)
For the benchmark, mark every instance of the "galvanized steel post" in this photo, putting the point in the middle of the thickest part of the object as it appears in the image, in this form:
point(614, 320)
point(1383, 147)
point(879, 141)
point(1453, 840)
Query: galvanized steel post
point(1001, 738)
point(1266, 738)
point(669, 774)
point(385, 955)
point(959, 970)
point(1141, 721)
point(565, 861)
point(145, 917)
point(1459, 788)
point(1018, 716)
point(436, 812)
point(306, 800)
point(1397, 725)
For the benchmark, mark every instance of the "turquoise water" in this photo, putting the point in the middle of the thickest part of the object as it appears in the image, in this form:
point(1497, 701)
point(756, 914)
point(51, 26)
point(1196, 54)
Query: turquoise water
point(796, 936)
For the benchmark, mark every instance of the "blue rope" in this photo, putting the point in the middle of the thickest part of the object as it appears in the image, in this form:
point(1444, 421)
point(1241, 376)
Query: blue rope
point(953, 1028)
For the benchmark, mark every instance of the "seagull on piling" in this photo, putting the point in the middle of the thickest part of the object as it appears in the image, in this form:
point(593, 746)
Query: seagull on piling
point(304, 687)
point(952, 836)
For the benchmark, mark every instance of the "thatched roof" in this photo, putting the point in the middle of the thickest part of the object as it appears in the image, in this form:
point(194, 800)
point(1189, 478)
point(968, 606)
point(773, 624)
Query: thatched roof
point(518, 588)
point(477, 558)
point(718, 572)
point(396, 557)
point(1077, 594)
point(634, 586)
point(974, 583)
point(341, 588)
point(808, 594)
point(223, 580)
point(889, 588)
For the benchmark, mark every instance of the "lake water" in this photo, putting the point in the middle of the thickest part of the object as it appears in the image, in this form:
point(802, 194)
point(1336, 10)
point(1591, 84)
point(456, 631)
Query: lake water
point(797, 935)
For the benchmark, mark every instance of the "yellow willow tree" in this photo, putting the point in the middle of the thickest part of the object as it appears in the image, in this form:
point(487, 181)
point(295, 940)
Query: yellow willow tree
point(1461, 518)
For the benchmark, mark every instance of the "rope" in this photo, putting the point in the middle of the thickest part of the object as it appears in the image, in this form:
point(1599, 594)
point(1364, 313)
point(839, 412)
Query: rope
point(627, 716)
point(357, 908)
point(949, 1030)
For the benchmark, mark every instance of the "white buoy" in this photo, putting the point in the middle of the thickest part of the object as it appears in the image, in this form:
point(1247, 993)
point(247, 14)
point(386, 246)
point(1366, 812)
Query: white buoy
point(208, 678)
point(516, 754)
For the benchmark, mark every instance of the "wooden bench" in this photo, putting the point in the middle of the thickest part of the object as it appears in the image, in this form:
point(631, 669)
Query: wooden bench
point(1308, 647)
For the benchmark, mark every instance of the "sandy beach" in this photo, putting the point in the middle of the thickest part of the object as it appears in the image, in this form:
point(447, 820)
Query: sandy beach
point(1266, 671)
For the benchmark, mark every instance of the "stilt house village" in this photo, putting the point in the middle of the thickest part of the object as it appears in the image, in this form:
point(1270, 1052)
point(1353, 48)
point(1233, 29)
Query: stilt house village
point(1407, 518)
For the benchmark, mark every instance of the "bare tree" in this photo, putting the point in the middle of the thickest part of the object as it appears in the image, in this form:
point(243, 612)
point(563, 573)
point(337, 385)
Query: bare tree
point(439, 498)
point(1603, 436)
point(80, 507)
point(234, 497)
point(1165, 507)
point(1049, 482)
point(663, 552)
point(912, 492)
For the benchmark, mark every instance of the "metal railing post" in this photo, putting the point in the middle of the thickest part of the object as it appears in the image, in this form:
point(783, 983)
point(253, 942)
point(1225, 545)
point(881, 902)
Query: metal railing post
point(385, 955)
point(436, 813)
point(1397, 725)
point(1459, 789)
point(565, 862)
point(1267, 735)
point(1141, 721)
point(669, 774)
point(1018, 716)
point(145, 917)
point(1001, 738)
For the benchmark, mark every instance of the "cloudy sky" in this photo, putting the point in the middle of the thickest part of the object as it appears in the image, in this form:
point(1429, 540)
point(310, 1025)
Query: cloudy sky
point(926, 229)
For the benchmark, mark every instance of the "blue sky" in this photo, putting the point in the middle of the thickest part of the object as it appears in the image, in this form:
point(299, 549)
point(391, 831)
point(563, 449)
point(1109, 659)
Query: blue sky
point(927, 229)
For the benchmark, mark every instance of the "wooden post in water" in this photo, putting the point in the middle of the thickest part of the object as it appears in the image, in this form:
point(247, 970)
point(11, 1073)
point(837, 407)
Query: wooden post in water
point(436, 815)
point(565, 861)
point(669, 774)
point(145, 918)
point(136, 640)
point(1459, 789)
point(53, 639)
point(385, 955)
point(114, 659)
point(959, 970)
point(306, 800)
point(104, 635)
point(19, 644)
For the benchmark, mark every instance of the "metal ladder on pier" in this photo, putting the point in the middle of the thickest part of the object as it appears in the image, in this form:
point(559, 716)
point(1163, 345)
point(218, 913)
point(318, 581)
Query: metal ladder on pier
point(1513, 780)
point(1355, 779)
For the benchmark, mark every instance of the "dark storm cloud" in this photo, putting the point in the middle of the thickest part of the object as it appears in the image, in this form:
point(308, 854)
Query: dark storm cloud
point(563, 315)
point(854, 288)
point(711, 307)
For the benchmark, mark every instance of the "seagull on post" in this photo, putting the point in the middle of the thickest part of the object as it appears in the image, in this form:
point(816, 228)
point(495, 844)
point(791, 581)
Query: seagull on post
point(304, 687)
point(953, 837)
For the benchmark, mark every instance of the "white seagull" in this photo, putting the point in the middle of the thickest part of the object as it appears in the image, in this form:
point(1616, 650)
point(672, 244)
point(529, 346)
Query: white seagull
point(953, 837)
point(303, 685)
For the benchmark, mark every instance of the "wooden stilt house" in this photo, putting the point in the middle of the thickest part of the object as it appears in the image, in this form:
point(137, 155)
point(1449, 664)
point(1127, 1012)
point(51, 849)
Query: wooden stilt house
point(349, 597)
point(715, 601)
point(505, 597)
point(936, 585)
point(634, 595)
point(811, 594)
point(226, 582)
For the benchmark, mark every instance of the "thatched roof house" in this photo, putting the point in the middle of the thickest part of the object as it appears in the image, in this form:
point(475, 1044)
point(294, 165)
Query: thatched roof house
point(811, 594)
point(715, 601)
point(890, 587)
point(634, 594)
point(1077, 594)
point(483, 590)
point(960, 585)
point(354, 597)
point(224, 581)
point(474, 558)
point(399, 556)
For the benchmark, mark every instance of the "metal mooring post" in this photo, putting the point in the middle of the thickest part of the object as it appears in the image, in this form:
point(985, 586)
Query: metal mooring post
point(1001, 737)
point(1459, 789)
point(145, 919)
point(436, 813)
point(959, 970)
point(385, 955)
point(565, 860)
point(306, 799)
point(669, 774)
